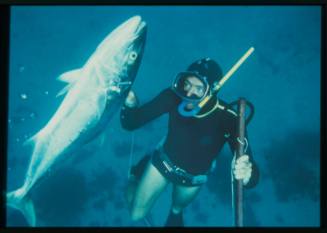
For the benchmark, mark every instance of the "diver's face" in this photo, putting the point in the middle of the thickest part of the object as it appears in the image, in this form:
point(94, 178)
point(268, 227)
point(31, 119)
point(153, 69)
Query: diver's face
point(194, 87)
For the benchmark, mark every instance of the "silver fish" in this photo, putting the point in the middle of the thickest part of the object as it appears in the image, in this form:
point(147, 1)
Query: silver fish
point(93, 94)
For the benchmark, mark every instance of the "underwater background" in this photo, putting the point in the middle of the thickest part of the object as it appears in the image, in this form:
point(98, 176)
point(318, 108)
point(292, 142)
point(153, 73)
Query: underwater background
point(281, 78)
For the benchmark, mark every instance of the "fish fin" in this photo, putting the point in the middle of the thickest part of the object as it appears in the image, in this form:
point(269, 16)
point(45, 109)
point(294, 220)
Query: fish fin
point(33, 139)
point(30, 141)
point(64, 90)
point(18, 200)
point(70, 76)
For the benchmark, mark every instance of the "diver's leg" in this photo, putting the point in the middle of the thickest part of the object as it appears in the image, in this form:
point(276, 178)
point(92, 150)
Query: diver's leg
point(151, 184)
point(134, 178)
point(182, 196)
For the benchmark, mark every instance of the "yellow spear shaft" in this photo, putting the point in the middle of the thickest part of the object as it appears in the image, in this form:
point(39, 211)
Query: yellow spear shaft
point(228, 75)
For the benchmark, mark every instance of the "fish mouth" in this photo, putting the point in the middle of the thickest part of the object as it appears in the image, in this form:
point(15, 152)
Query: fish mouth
point(138, 24)
point(141, 27)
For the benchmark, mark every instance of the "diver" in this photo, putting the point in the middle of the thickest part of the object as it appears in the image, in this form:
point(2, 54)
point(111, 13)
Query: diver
point(187, 154)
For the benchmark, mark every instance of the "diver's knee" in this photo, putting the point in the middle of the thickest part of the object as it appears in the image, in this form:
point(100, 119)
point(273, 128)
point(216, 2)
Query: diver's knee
point(137, 214)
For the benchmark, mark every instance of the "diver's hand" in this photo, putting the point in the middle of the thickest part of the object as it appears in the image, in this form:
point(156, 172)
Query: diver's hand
point(131, 100)
point(242, 169)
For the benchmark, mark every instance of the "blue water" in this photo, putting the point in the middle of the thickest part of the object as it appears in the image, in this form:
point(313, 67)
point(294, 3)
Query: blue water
point(281, 78)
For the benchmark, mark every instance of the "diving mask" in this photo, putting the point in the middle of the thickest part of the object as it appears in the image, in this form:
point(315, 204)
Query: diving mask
point(191, 86)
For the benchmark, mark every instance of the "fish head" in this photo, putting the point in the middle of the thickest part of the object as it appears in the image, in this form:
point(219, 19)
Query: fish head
point(120, 54)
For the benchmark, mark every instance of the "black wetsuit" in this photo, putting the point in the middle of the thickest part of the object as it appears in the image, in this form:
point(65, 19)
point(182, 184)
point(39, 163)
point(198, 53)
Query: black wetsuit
point(191, 143)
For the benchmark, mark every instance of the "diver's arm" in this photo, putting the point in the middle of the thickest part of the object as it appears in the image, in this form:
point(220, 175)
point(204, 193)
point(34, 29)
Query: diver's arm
point(133, 116)
point(232, 141)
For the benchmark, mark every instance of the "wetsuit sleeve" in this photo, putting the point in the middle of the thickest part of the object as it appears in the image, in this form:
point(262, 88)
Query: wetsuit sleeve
point(132, 118)
point(233, 143)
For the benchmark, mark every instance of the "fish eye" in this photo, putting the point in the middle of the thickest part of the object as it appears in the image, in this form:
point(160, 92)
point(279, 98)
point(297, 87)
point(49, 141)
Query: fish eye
point(133, 56)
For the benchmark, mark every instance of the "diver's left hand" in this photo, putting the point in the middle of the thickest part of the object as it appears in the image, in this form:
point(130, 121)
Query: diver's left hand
point(242, 169)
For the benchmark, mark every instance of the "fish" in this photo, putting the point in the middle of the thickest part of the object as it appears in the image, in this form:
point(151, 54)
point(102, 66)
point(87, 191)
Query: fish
point(92, 96)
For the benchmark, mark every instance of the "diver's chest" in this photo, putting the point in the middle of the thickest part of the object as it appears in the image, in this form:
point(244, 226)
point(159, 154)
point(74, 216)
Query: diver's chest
point(214, 125)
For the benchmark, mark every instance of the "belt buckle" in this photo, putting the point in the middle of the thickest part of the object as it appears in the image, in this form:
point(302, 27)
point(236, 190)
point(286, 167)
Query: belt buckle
point(167, 166)
point(180, 171)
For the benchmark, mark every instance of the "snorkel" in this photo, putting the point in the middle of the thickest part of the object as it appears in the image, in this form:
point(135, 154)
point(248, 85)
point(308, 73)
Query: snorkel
point(216, 87)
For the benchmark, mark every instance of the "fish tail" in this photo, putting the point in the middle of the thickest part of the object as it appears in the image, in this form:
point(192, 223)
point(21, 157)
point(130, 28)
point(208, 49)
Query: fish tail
point(19, 200)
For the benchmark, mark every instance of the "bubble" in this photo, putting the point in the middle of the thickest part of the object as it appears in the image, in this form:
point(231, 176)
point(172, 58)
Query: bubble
point(9, 121)
point(23, 96)
point(46, 92)
point(22, 119)
point(17, 140)
point(32, 115)
point(21, 69)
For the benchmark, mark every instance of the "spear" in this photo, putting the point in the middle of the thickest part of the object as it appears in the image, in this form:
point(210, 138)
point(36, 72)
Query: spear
point(227, 75)
point(238, 199)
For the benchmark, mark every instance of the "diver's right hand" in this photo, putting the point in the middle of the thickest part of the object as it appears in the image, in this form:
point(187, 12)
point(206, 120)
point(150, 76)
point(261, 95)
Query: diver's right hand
point(131, 100)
